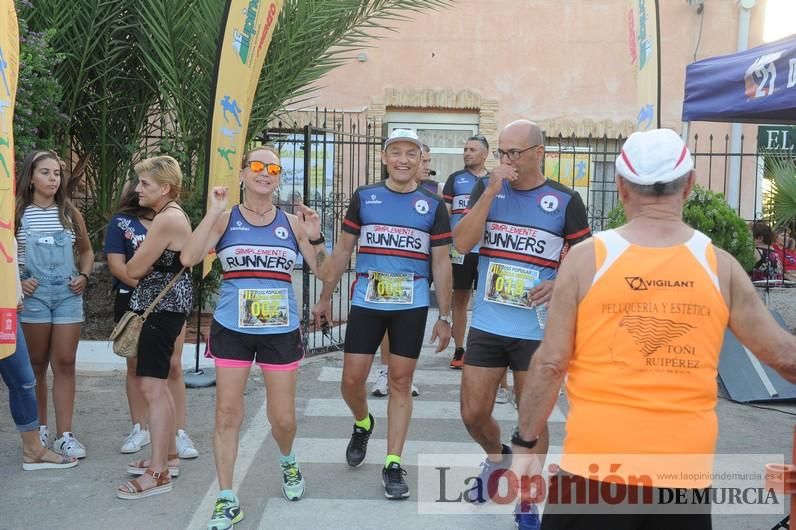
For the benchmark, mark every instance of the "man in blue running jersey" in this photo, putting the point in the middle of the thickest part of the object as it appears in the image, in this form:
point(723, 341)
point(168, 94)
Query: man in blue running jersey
point(456, 193)
point(523, 222)
point(381, 387)
point(403, 233)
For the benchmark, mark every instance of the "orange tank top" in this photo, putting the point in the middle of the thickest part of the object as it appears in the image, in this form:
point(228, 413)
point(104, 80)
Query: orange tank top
point(642, 379)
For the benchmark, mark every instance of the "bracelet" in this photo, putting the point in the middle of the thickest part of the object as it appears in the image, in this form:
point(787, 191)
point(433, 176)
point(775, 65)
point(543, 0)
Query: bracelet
point(318, 241)
point(83, 274)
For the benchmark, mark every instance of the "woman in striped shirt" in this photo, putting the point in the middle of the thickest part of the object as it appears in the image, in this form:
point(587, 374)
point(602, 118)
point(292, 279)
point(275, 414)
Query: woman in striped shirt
point(51, 234)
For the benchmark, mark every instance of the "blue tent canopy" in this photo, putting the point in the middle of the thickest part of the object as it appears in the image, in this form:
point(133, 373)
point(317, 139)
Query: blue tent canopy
point(757, 85)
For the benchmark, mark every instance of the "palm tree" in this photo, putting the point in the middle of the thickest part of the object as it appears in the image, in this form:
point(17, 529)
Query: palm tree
point(782, 172)
point(137, 74)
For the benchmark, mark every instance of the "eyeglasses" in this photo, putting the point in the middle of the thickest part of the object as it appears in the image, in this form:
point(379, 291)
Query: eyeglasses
point(258, 167)
point(513, 154)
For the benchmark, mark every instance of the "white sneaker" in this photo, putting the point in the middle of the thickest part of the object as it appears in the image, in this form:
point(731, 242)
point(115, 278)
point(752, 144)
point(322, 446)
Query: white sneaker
point(503, 395)
point(415, 391)
point(68, 445)
point(44, 436)
point(382, 386)
point(135, 440)
point(185, 448)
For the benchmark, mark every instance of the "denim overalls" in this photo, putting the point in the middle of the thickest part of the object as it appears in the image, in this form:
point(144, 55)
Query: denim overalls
point(49, 259)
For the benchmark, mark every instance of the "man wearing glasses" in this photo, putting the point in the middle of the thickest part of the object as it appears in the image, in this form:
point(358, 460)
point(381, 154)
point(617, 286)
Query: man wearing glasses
point(456, 193)
point(523, 222)
point(402, 232)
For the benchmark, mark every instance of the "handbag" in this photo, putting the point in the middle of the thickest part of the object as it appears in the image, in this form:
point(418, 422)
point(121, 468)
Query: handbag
point(127, 331)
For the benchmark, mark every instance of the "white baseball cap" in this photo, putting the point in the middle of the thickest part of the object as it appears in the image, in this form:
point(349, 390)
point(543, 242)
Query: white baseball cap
point(403, 135)
point(659, 155)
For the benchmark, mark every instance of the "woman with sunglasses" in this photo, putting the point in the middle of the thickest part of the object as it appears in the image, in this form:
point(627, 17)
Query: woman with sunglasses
point(256, 319)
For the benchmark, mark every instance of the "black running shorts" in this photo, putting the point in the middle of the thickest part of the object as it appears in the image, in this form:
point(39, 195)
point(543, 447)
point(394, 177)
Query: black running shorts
point(366, 328)
point(495, 351)
point(272, 352)
point(465, 276)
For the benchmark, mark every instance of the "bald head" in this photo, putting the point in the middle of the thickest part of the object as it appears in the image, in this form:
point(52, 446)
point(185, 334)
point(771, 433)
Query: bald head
point(526, 129)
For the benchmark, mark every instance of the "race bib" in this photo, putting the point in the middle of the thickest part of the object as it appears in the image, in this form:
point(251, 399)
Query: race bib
point(456, 258)
point(263, 308)
point(390, 288)
point(510, 284)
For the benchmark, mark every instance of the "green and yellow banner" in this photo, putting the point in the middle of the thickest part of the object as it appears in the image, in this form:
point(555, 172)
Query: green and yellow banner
point(247, 29)
point(644, 48)
point(9, 71)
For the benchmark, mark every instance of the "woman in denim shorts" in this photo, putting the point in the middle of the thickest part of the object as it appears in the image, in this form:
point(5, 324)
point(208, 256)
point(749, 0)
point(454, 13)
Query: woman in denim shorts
point(51, 232)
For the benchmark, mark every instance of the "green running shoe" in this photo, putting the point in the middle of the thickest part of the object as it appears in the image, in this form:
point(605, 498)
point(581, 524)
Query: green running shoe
point(225, 515)
point(292, 481)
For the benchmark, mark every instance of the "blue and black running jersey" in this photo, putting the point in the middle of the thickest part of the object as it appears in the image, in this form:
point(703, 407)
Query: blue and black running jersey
point(257, 293)
point(456, 193)
point(430, 185)
point(396, 232)
point(524, 236)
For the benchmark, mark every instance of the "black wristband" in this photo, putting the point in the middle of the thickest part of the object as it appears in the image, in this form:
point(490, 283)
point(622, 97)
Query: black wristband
point(321, 240)
point(516, 439)
point(83, 274)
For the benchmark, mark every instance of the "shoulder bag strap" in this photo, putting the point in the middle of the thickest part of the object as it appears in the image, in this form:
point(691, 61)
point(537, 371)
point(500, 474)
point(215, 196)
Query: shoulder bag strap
point(162, 293)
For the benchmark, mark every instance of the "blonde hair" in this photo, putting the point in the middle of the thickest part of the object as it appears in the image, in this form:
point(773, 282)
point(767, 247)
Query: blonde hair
point(163, 170)
point(264, 147)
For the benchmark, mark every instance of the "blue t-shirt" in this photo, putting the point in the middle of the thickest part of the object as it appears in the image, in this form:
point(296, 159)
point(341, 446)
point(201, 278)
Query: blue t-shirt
point(524, 235)
point(124, 235)
point(456, 193)
point(396, 233)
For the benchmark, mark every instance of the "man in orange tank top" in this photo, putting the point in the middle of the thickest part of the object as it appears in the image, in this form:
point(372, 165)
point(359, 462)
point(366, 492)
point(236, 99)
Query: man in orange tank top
point(636, 322)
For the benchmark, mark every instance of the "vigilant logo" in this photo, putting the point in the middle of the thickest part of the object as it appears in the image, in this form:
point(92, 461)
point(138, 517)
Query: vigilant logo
point(637, 283)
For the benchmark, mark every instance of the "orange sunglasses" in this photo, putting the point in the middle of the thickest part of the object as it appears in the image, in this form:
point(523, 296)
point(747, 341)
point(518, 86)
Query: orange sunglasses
point(273, 169)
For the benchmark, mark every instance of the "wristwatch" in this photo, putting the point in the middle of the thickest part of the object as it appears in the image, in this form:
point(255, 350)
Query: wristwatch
point(318, 241)
point(445, 318)
point(518, 440)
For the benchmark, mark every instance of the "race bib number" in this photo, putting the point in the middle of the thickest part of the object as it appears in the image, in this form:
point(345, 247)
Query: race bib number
point(510, 284)
point(456, 258)
point(389, 288)
point(263, 308)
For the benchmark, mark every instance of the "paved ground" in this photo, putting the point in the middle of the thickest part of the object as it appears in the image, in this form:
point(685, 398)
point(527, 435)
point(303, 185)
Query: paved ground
point(337, 497)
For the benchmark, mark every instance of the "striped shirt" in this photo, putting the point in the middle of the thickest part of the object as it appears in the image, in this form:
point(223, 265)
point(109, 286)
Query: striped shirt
point(39, 219)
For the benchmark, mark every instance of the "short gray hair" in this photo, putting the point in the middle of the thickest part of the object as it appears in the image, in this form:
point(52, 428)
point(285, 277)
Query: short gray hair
point(659, 189)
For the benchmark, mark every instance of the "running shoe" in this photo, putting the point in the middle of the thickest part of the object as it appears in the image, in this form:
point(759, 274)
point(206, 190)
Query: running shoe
point(503, 395)
point(135, 440)
point(526, 516)
point(358, 445)
point(382, 385)
point(458, 359)
point(225, 514)
point(292, 481)
point(44, 436)
point(185, 446)
point(392, 478)
point(479, 493)
point(68, 445)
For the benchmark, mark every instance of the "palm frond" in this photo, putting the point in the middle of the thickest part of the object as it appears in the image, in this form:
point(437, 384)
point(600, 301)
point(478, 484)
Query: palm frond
point(783, 174)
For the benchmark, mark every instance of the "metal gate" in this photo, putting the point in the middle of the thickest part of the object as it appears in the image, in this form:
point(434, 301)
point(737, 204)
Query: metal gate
point(323, 163)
